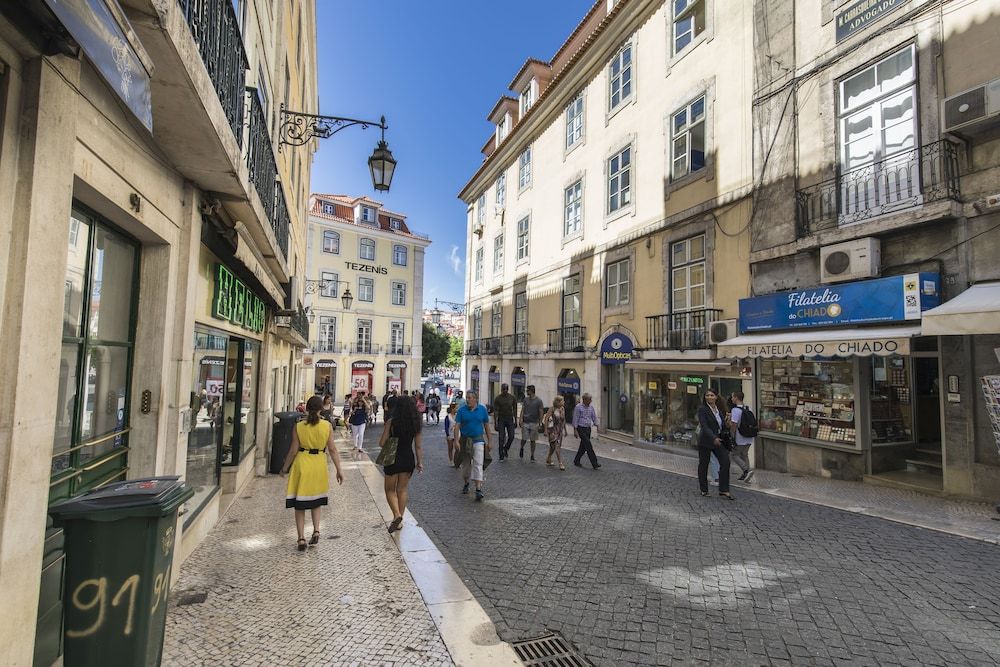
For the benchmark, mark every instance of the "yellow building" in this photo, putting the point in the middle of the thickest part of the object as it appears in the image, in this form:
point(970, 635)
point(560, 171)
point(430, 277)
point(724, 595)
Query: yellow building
point(375, 344)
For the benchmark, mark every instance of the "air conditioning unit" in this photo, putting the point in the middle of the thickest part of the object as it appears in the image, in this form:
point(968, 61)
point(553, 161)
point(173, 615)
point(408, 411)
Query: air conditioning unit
point(721, 331)
point(478, 231)
point(851, 260)
point(971, 107)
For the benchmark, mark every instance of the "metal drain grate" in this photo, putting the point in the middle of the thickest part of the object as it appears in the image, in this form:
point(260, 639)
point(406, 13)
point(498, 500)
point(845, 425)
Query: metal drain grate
point(549, 651)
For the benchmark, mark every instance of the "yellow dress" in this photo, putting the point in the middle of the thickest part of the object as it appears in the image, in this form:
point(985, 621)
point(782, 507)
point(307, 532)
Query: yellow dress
point(308, 480)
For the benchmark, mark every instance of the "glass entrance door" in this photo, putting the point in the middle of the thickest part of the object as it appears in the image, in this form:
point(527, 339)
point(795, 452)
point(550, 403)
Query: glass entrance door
point(618, 407)
point(928, 403)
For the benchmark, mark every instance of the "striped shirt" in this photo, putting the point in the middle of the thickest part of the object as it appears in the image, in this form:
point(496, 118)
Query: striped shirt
point(584, 415)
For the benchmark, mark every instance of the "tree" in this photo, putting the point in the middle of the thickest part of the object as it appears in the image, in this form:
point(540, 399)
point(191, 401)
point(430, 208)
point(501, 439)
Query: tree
point(436, 348)
point(455, 353)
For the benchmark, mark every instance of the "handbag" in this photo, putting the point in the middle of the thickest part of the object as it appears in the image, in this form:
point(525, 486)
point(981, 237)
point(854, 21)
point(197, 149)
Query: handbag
point(387, 454)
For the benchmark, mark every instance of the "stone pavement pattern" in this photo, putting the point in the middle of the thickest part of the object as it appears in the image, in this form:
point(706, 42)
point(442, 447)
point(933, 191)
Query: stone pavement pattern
point(634, 567)
point(349, 600)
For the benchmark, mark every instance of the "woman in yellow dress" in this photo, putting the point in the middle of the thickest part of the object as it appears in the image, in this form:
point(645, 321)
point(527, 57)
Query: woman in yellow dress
point(309, 482)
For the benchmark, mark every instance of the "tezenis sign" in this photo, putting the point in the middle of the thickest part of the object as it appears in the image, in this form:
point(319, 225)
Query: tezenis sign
point(367, 268)
point(235, 302)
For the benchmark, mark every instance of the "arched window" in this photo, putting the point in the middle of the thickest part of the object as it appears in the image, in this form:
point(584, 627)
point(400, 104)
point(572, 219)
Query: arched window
point(367, 249)
point(331, 242)
point(399, 255)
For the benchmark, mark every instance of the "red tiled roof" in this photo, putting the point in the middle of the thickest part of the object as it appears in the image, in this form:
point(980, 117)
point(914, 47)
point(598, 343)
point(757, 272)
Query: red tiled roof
point(526, 65)
point(343, 212)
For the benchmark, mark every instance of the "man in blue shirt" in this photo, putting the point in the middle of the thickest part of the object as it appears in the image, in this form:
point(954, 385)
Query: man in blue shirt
point(472, 421)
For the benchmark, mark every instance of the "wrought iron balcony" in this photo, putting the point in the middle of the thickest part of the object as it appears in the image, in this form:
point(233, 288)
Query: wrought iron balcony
point(329, 346)
point(472, 347)
point(515, 343)
point(681, 331)
point(905, 180)
point(392, 348)
point(359, 348)
point(216, 30)
point(297, 323)
point(264, 171)
point(491, 345)
point(567, 339)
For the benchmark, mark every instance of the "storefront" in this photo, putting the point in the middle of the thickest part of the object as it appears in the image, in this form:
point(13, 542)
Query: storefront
point(568, 385)
point(618, 405)
point(362, 377)
point(494, 384)
point(395, 372)
point(838, 399)
point(518, 381)
point(326, 376)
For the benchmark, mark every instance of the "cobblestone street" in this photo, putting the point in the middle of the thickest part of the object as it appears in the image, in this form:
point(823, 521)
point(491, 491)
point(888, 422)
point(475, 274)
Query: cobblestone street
point(633, 566)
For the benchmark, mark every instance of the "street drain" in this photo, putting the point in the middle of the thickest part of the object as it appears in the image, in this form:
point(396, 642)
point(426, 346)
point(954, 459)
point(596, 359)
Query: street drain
point(191, 598)
point(549, 651)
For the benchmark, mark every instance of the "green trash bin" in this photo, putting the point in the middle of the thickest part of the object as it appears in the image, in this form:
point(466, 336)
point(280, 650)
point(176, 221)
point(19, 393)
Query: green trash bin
point(119, 549)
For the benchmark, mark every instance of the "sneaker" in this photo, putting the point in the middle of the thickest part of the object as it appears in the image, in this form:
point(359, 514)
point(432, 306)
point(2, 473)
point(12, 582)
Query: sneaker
point(748, 476)
point(479, 495)
point(596, 466)
point(577, 464)
point(743, 477)
point(465, 489)
point(714, 482)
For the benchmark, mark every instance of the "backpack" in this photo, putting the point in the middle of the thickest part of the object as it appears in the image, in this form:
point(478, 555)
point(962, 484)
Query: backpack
point(748, 426)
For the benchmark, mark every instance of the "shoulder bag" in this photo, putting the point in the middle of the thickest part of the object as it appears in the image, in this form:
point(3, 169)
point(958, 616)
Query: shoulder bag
point(387, 455)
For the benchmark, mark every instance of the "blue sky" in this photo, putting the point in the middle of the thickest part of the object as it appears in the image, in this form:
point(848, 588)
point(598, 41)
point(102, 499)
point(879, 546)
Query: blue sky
point(434, 69)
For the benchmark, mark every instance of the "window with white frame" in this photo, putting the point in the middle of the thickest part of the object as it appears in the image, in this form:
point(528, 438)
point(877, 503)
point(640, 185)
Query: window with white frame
point(501, 188)
point(527, 97)
point(498, 254)
point(477, 323)
point(398, 293)
point(399, 255)
point(620, 179)
point(616, 283)
point(521, 313)
point(327, 334)
point(329, 284)
point(503, 128)
point(479, 264)
point(366, 289)
point(687, 130)
point(571, 300)
point(367, 249)
point(395, 224)
point(367, 214)
point(689, 22)
point(331, 242)
point(524, 168)
point(364, 339)
point(573, 209)
point(687, 274)
point(522, 238)
point(328, 208)
point(620, 77)
point(397, 332)
point(481, 209)
point(574, 121)
point(496, 320)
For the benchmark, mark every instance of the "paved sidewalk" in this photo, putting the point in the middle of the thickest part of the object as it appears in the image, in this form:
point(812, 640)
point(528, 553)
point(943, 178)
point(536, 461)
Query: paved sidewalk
point(956, 517)
point(350, 600)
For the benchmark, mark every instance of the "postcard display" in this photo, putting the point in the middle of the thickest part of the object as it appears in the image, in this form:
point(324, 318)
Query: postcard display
point(991, 392)
point(808, 399)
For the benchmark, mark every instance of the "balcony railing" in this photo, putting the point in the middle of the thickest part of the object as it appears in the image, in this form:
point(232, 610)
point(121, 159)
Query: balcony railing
point(491, 345)
point(681, 331)
point(392, 348)
point(515, 343)
point(906, 180)
point(216, 30)
point(329, 346)
point(264, 171)
point(567, 339)
point(358, 348)
point(472, 347)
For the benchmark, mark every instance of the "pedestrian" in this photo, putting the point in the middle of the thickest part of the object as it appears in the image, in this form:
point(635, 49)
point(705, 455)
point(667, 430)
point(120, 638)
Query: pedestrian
point(504, 408)
point(421, 405)
point(472, 426)
point(554, 423)
point(449, 422)
point(405, 426)
point(375, 404)
point(531, 415)
point(369, 411)
point(584, 421)
point(346, 414)
point(309, 482)
point(358, 420)
point(711, 421)
point(743, 423)
point(327, 411)
point(436, 407)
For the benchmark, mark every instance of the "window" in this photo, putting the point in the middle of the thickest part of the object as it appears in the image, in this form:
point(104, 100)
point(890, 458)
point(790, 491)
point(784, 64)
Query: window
point(521, 313)
point(367, 249)
point(328, 208)
point(571, 300)
point(524, 169)
point(481, 209)
point(398, 293)
point(616, 284)
point(399, 255)
point(689, 22)
point(331, 242)
point(364, 340)
point(687, 274)
point(574, 121)
point(527, 98)
point(329, 288)
point(688, 145)
point(366, 289)
point(522, 238)
point(367, 214)
point(397, 331)
point(501, 188)
point(503, 128)
point(477, 323)
point(620, 180)
point(327, 334)
point(498, 254)
point(262, 95)
point(496, 319)
point(620, 77)
point(479, 265)
point(395, 224)
point(573, 209)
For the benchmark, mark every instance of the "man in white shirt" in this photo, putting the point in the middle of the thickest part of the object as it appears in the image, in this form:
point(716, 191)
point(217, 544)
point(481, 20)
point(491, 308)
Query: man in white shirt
point(740, 455)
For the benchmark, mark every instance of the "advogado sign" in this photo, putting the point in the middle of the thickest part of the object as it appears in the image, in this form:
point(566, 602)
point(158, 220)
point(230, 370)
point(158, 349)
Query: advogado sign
point(859, 15)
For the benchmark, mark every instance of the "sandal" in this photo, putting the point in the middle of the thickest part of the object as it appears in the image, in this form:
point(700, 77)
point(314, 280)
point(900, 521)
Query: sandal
point(397, 524)
point(315, 537)
point(549, 463)
point(562, 467)
point(727, 495)
point(302, 544)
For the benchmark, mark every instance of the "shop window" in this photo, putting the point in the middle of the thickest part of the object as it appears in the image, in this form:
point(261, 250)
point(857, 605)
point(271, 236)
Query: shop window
point(208, 374)
point(808, 399)
point(891, 401)
point(668, 407)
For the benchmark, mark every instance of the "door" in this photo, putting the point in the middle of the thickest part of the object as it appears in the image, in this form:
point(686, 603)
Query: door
point(618, 406)
point(229, 415)
point(928, 402)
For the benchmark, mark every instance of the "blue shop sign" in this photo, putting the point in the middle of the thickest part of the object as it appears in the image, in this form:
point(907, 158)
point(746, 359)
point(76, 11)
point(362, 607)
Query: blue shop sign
point(568, 385)
point(474, 374)
point(518, 380)
point(892, 299)
point(617, 349)
point(494, 376)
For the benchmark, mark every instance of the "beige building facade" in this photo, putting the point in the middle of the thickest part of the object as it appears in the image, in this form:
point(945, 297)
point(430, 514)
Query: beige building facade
point(152, 233)
point(374, 346)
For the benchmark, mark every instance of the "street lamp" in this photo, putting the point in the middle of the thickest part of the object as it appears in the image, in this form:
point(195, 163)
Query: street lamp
point(382, 165)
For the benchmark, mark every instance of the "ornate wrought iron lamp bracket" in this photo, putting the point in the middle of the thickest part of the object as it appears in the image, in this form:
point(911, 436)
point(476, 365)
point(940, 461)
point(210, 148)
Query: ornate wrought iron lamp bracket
point(297, 129)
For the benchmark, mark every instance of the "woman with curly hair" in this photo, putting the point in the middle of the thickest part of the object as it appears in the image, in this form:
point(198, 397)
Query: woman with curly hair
point(404, 424)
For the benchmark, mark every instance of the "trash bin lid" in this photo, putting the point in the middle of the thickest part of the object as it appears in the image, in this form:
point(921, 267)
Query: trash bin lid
point(281, 416)
point(156, 494)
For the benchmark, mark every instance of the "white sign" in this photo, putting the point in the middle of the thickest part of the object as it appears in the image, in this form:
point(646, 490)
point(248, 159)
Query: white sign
point(215, 388)
point(856, 347)
point(359, 383)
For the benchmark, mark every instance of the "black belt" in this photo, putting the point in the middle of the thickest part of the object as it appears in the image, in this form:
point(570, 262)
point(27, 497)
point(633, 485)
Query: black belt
point(313, 451)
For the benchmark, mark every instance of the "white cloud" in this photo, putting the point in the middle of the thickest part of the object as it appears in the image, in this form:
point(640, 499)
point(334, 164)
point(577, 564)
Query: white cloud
point(455, 260)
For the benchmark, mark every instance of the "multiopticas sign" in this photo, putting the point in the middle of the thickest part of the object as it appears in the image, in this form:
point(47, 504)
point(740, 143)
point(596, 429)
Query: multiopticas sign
point(857, 16)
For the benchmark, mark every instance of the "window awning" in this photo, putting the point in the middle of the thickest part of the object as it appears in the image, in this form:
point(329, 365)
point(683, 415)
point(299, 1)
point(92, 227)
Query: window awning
point(847, 342)
point(974, 311)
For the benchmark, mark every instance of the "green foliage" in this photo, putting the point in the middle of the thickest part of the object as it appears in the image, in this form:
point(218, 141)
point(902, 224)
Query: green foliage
point(436, 348)
point(454, 359)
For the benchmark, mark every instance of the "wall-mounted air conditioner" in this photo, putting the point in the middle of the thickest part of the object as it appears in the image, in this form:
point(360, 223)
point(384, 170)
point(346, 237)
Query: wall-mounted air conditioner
point(721, 331)
point(970, 108)
point(478, 231)
point(851, 260)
